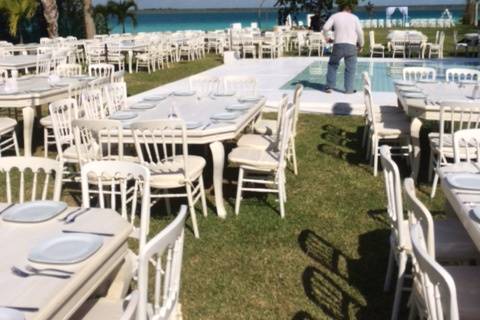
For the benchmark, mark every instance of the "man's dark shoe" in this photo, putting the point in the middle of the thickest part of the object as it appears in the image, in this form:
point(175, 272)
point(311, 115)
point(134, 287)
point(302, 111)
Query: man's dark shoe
point(351, 92)
point(328, 90)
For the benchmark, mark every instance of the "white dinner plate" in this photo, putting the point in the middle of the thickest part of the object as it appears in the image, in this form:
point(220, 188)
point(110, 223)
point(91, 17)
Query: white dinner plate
point(224, 116)
point(468, 81)
point(414, 95)
point(3, 92)
point(34, 211)
point(62, 84)
point(249, 99)
point(156, 97)
point(183, 93)
point(409, 89)
point(123, 115)
point(40, 89)
point(464, 181)
point(10, 314)
point(193, 124)
point(66, 249)
point(238, 107)
point(142, 106)
point(404, 83)
point(225, 94)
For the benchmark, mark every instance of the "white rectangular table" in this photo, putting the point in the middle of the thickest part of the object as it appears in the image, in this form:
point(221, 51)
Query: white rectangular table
point(194, 109)
point(27, 100)
point(18, 62)
point(429, 109)
point(462, 201)
point(58, 298)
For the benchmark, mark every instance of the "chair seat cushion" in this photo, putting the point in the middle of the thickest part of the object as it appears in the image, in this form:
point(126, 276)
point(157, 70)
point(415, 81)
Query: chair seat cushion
point(46, 121)
point(254, 158)
point(264, 126)
point(172, 175)
point(393, 126)
point(466, 280)
point(7, 124)
point(256, 141)
point(70, 153)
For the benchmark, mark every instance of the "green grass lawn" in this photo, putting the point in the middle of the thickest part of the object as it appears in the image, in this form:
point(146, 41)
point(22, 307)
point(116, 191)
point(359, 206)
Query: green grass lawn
point(325, 260)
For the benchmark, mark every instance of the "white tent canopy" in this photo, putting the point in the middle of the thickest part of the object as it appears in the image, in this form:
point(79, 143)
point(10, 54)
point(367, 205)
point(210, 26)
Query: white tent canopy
point(403, 10)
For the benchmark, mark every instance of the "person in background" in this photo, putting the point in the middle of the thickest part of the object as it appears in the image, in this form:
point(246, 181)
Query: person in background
point(348, 39)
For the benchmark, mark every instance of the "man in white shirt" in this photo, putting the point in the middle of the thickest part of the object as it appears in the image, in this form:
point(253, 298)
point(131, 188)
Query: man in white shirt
point(348, 38)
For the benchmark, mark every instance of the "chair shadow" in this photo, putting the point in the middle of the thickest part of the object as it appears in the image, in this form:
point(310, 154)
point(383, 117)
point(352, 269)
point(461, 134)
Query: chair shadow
point(342, 145)
point(344, 287)
point(302, 315)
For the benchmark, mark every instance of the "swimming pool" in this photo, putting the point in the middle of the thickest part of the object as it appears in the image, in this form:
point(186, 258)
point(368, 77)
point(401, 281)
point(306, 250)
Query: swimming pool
point(382, 73)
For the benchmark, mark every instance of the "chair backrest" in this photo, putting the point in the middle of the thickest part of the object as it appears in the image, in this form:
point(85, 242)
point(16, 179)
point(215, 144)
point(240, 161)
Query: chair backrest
point(93, 104)
point(393, 188)
point(98, 140)
point(3, 75)
point(116, 94)
point(419, 73)
point(119, 185)
point(457, 74)
point(75, 92)
point(297, 95)
point(166, 251)
point(457, 115)
point(466, 145)
point(157, 143)
point(63, 112)
point(204, 85)
point(118, 76)
point(34, 175)
point(418, 213)
point(285, 135)
point(242, 85)
point(371, 108)
point(68, 70)
point(102, 70)
point(438, 287)
point(43, 65)
point(282, 106)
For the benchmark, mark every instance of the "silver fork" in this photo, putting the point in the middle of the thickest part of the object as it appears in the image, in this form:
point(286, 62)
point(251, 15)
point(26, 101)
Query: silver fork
point(24, 274)
point(38, 270)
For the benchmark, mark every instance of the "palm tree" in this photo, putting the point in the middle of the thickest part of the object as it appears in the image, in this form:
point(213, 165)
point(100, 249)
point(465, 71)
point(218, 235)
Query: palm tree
point(121, 10)
point(50, 11)
point(88, 17)
point(18, 11)
point(100, 16)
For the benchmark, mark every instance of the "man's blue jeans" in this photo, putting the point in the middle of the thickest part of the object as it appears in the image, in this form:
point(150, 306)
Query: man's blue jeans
point(349, 53)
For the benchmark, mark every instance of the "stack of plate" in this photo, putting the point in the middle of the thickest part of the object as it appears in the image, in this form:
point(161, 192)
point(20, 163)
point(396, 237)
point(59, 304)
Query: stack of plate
point(238, 107)
point(142, 106)
point(414, 95)
point(224, 116)
point(404, 83)
point(250, 99)
point(183, 93)
point(225, 94)
point(123, 115)
point(470, 181)
point(156, 97)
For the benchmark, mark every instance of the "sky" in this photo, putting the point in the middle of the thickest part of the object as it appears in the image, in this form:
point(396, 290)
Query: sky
point(200, 4)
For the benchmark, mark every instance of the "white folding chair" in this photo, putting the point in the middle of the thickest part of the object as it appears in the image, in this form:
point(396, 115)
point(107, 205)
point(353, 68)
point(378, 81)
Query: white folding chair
point(162, 146)
point(34, 175)
point(419, 73)
point(43, 65)
point(446, 292)
point(101, 70)
point(241, 85)
point(93, 104)
point(116, 94)
point(454, 116)
point(264, 167)
point(375, 48)
point(204, 85)
point(466, 145)
point(68, 70)
point(462, 74)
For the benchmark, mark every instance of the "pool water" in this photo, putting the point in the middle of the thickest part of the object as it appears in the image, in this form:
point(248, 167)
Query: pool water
point(382, 73)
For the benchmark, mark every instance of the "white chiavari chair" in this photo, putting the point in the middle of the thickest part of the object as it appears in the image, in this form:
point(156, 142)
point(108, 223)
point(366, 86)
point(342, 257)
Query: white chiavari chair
point(157, 143)
point(93, 104)
point(419, 73)
point(38, 179)
point(68, 70)
point(241, 85)
point(204, 85)
point(116, 95)
point(462, 74)
point(101, 70)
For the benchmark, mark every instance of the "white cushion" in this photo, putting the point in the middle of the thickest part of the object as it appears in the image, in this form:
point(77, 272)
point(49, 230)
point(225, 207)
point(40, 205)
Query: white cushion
point(254, 158)
point(7, 124)
point(256, 141)
point(172, 176)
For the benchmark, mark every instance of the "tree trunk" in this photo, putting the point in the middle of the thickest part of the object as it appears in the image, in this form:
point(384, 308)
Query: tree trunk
point(50, 12)
point(88, 16)
point(469, 17)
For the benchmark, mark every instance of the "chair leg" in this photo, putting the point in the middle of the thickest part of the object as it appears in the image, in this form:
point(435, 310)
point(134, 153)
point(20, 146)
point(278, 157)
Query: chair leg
point(167, 202)
point(375, 156)
point(434, 186)
point(365, 134)
point(294, 156)
point(15, 144)
point(402, 265)
point(281, 196)
point(202, 196)
point(239, 190)
point(388, 276)
point(192, 211)
point(45, 142)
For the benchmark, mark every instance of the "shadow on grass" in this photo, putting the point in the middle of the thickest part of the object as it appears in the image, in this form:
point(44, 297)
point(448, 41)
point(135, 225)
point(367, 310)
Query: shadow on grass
point(344, 287)
point(302, 315)
point(342, 144)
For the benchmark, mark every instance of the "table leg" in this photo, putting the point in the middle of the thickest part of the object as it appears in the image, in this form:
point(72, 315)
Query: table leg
point(130, 60)
point(415, 127)
point(28, 118)
point(218, 155)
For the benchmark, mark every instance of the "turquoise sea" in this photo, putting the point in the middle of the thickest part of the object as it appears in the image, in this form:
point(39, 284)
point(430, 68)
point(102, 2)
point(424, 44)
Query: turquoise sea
point(206, 20)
